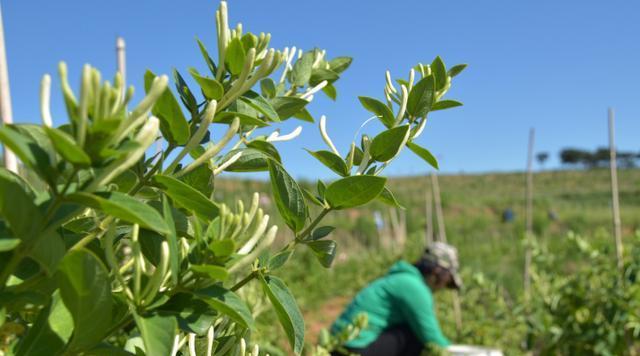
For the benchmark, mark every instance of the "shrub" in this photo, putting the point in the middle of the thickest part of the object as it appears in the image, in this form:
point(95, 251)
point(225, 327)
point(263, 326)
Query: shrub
point(116, 251)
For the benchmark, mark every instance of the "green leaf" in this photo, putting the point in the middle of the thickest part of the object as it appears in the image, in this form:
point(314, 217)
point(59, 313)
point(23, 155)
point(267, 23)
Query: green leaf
point(380, 109)
point(388, 198)
point(332, 161)
point(207, 58)
point(67, 147)
point(235, 56)
point(321, 187)
point(320, 74)
point(310, 197)
point(211, 88)
point(287, 106)
point(424, 154)
point(213, 272)
point(388, 144)
point(226, 117)
point(27, 149)
point(186, 95)
point(340, 64)
point(193, 315)
point(124, 207)
point(421, 97)
point(286, 309)
point(260, 104)
point(324, 250)
point(173, 124)
point(354, 191)
point(252, 160)
point(172, 240)
point(227, 303)
point(288, 196)
point(50, 332)
point(86, 292)
point(187, 197)
point(304, 115)
point(249, 40)
point(445, 104)
point(456, 69)
point(267, 148)
point(330, 91)
point(301, 72)
point(8, 244)
point(157, 333)
point(268, 88)
point(321, 232)
point(17, 207)
point(279, 259)
point(222, 248)
point(439, 71)
point(48, 251)
point(201, 179)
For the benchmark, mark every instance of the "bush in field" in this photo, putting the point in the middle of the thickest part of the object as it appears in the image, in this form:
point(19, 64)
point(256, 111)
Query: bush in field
point(115, 251)
point(589, 310)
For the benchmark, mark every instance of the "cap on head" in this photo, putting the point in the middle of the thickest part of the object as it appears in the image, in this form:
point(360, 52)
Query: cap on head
point(445, 256)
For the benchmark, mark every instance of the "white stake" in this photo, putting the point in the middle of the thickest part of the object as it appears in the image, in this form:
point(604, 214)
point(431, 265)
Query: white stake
point(615, 204)
point(529, 217)
point(10, 161)
point(122, 61)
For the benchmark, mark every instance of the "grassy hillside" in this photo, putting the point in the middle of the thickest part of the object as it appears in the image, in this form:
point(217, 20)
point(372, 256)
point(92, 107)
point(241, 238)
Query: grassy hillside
point(473, 207)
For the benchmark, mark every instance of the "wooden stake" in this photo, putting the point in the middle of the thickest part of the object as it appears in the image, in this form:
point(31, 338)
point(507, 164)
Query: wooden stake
point(10, 161)
point(615, 204)
point(442, 233)
point(429, 214)
point(442, 237)
point(529, 216)
point(121, 61)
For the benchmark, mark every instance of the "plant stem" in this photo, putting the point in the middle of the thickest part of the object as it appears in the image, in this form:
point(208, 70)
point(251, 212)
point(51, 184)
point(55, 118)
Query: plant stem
point(246, 280)
point(313, 224)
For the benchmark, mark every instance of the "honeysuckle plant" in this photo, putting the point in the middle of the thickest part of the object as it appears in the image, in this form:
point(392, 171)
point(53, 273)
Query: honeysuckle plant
point(114, 249)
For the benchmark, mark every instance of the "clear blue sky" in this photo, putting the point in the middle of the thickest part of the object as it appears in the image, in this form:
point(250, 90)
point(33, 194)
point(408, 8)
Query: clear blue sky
point(553, 65)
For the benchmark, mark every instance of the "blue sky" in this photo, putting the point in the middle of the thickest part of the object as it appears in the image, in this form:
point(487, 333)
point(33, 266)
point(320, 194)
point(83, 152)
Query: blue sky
point(552, 65)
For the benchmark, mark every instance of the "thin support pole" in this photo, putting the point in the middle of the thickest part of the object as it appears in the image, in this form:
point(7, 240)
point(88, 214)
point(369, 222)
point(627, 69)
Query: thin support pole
point(442, 233)
point(121, 61)
point(615, 204)
point(442, 237)
point(529, 216)
point(10, 161)
point(429, 215)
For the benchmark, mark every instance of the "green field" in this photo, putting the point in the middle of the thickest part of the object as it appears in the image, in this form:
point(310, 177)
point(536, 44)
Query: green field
point(473, 206)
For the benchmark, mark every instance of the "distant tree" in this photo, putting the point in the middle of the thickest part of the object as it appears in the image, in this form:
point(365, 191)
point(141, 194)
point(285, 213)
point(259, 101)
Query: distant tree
point(542, 157)
point(575, 157)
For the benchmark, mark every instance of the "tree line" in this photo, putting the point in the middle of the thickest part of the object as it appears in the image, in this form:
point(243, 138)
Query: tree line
point(600, 157)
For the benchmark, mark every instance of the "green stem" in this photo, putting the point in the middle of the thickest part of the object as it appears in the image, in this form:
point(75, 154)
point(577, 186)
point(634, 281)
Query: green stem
point(313, 224)
point(246, 280)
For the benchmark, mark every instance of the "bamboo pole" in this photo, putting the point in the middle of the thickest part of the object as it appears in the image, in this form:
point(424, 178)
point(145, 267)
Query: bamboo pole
point(121, 61)
point(10, 161)
point(442, 233)
point(429, 215)
point(615, 204)
point(529, 216)
point(442, 237)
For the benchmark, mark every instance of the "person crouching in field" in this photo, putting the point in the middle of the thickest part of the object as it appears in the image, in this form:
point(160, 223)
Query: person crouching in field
point(400, 306)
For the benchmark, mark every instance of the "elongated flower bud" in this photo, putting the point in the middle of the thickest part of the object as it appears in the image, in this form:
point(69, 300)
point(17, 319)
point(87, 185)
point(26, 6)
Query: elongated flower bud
point(325, 135)
point(275, 137)
point(144, 138)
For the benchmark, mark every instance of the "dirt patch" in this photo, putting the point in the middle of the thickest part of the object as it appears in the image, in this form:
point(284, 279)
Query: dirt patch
point(323, 317)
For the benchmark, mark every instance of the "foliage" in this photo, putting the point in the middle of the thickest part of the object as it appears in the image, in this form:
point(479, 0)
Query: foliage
point(112, 251)
point(598, 158)
point(592, 310)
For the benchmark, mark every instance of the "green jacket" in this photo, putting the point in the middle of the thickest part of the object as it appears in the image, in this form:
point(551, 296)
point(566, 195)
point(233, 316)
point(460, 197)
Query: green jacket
point(401, 296)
